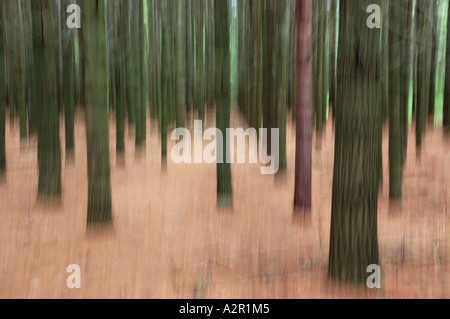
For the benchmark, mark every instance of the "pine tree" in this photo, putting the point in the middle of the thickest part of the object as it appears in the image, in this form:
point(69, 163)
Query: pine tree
point(2, 97)
point(353, 239)
point(46, 99)
point(97, 136)
point(222, 54)
point(303, 157)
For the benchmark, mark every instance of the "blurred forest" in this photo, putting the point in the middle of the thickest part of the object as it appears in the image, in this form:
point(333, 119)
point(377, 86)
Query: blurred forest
point(86, 117)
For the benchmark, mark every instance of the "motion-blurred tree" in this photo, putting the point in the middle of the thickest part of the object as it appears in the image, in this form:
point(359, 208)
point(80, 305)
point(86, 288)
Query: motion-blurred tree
point(222, 54)
point(446, 119)
point(97, 136)
point(396, 80)
point(353, 239)
point(2, 97)
point(46, 100)
point(303, 157)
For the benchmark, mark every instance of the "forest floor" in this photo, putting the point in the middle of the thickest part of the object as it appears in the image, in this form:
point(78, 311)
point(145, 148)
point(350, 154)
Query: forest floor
point(170, 241)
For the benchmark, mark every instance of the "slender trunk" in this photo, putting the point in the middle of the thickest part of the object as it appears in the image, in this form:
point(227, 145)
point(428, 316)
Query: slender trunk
point(68, 85)
point(19, 67)
point(303, 157)
point(2, 97)
point(396, 33)
point(49, 151)
point(407, 76)
point(130, 61)
point(189, 55)
point(199, 91)
point(332, 22)
point(222, 53)
point(434, 44)
point(446, 119)
point(165, 80)
point(180, 51)
point(423, 16)
point(120, 85)
point(97, 136)
point(283, 25)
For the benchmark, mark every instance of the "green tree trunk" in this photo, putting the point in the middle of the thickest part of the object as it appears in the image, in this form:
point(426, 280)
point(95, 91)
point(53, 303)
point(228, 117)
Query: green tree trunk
point(256, 65)
point(137, 48)
point(99, 182)
point(19, 68)
point(180, 51)
point(434, 44)
point(2, 97)
point(353, 238)
point(321, 77)
point(424, 12)
point(120, 85)
point(199, 91)
point(272, 41)
point(384, 48)
point(165, 80)
point(209, 53)
point(396, 59)
point(446, 117)
point(130, 60)
point(49, 149)
point(189, 55)
point(222, 54)
point(408, 74)
point(281, 80)
point(68, 84)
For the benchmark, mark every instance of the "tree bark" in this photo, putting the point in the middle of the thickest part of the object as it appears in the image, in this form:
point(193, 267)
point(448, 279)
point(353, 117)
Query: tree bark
point(303, 157)
point(396, 47)
point(2, 98)
point(353, 238)
point(97, 136)
point(222, 54)
point(49, 151)
point(446, 115)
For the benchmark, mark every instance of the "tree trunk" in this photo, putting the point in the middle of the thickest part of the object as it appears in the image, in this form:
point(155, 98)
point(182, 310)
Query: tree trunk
point(434, 44)
point(180, 51)
point(68, 85)
point(303, 157)
point(446, 117)
point(222, 54)
point(396, 59)
point(199, 91)
point(99, 183)
point(2, 98)
point(423, 16)
point(353, 238)
point(120, 78)
point(281, 80)
point(408, 74)
point(49, 151)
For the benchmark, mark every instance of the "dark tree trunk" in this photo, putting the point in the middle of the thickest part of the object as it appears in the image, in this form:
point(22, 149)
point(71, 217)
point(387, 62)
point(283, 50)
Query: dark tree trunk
point(434, 44)
point(49, 149)
point(353, 238)
point(396, 49)
point(68, 85)
point(222, 54)
point(424, 17)
point(446, 119)
point(303, 157)
point(2, 98)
